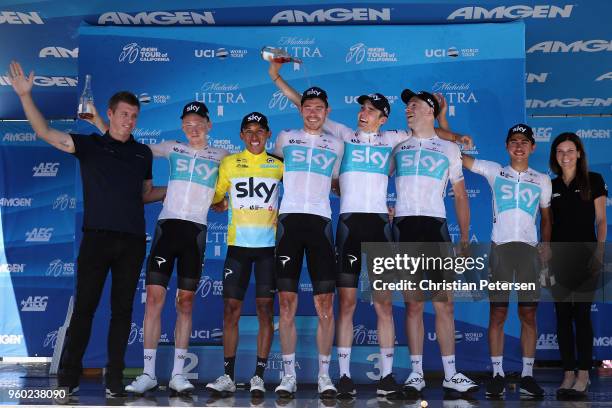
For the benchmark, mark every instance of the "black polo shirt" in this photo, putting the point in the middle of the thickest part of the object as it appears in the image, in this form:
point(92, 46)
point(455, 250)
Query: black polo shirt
point(113, 173)
point(574, 218)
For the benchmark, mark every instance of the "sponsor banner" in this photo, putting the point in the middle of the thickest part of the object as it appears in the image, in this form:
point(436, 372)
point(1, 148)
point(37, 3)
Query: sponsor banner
point(49, 40)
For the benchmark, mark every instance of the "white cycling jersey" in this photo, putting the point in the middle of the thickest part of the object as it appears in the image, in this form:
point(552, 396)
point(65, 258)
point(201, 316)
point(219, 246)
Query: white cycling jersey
point(516, 198)
point(423, 167)
point(192, 181)
point(364, 172)
point(311, 161)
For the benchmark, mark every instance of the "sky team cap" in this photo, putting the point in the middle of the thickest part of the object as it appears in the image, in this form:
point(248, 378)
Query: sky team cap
point(314, 92)
point(195, 107)
point(255, 117)
point(522, 129)
point(407, 94)
point(379, 101)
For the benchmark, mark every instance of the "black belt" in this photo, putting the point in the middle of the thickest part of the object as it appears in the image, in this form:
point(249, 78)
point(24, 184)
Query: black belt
point(113, 233)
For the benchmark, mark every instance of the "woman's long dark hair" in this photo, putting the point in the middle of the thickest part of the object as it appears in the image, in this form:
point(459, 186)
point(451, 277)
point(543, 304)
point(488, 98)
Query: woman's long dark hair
point(582, 168)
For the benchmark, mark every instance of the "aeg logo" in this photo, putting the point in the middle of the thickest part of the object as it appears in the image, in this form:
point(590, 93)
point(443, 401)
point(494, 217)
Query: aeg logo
point(34, 304)
point(45, 170)
point(39, 235)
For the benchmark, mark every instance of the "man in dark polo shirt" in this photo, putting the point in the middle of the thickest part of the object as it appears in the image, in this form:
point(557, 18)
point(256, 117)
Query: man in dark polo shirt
point(116, 175)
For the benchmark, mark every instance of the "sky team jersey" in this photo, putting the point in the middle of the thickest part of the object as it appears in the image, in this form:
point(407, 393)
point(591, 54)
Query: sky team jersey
point(364, 171)
point(252, 182)
point(423, 167)
point(516, 199)
point(311, 161)
point(193, 177)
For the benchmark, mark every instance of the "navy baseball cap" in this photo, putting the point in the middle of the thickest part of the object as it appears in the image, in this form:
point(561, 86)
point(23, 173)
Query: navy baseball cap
point(195, 107)
point(314, 92)
point(522, 129)
point(255, 117)
point(431, 100)
point(379, 101)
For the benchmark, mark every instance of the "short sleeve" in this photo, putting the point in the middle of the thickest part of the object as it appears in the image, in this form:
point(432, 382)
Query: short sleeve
point(546, 194)
point(280, 142)
point(455, 168)
point(598, 186)
point(338, 130)
point(83, 144)
point(162, 149)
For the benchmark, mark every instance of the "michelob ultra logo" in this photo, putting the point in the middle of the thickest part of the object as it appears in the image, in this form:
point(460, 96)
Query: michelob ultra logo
point(299, 158)
point(368, 159)
point(200, 171)
point(510, 195)
point(428, 164)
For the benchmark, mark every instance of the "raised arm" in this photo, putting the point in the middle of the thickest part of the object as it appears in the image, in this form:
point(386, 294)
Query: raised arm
point(451, 136)
point(442, 121)
point(97, 120)
point(462, 207)
point(23, 88)
point(467, 161)
point(293, 95)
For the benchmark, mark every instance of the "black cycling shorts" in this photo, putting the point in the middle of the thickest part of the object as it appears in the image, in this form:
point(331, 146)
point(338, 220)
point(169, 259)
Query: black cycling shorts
point(514, 262)
point(295, 234)
point(237, 272)
point(353, 229)
point(179, 240)
point(432, 233)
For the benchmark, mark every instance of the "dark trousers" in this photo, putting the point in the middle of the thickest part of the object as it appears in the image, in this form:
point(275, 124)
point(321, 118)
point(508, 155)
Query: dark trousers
point(580, 343)
point(100, 251)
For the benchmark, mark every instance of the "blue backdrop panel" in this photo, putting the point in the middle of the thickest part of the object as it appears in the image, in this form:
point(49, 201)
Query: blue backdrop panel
point(562, 38)
point(346, 62)
point(37, 200)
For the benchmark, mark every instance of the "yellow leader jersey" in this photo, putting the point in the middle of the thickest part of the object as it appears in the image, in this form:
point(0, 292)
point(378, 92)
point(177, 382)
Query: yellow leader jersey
point(252, 183)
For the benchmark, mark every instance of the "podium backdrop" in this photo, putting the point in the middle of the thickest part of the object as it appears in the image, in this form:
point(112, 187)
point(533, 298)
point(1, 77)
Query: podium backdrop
point(484, 84)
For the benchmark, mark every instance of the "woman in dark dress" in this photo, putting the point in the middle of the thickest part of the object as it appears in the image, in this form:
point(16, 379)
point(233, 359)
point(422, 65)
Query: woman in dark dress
point(579, 232)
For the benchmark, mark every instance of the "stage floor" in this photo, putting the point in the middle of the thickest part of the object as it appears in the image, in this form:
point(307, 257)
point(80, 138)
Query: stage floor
point(91, 393)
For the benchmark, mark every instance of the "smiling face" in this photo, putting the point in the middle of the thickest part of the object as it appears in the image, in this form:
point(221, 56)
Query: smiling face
point(122, 120)
point(196, 129)
point(370, 119)
point(255, 137)
point(567, 155)
point(314, 112)
point(519, 148)
point(418, 112)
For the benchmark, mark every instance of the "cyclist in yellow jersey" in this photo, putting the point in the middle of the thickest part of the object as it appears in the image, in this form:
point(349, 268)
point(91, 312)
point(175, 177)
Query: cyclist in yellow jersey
point(251, 179)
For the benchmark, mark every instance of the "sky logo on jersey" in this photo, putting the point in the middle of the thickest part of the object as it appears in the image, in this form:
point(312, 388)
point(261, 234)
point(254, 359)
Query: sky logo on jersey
point(510, 195)
point(252, 189)
point(367, 159)
point(200, 171)
point(299, 158)
point(428, 164)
